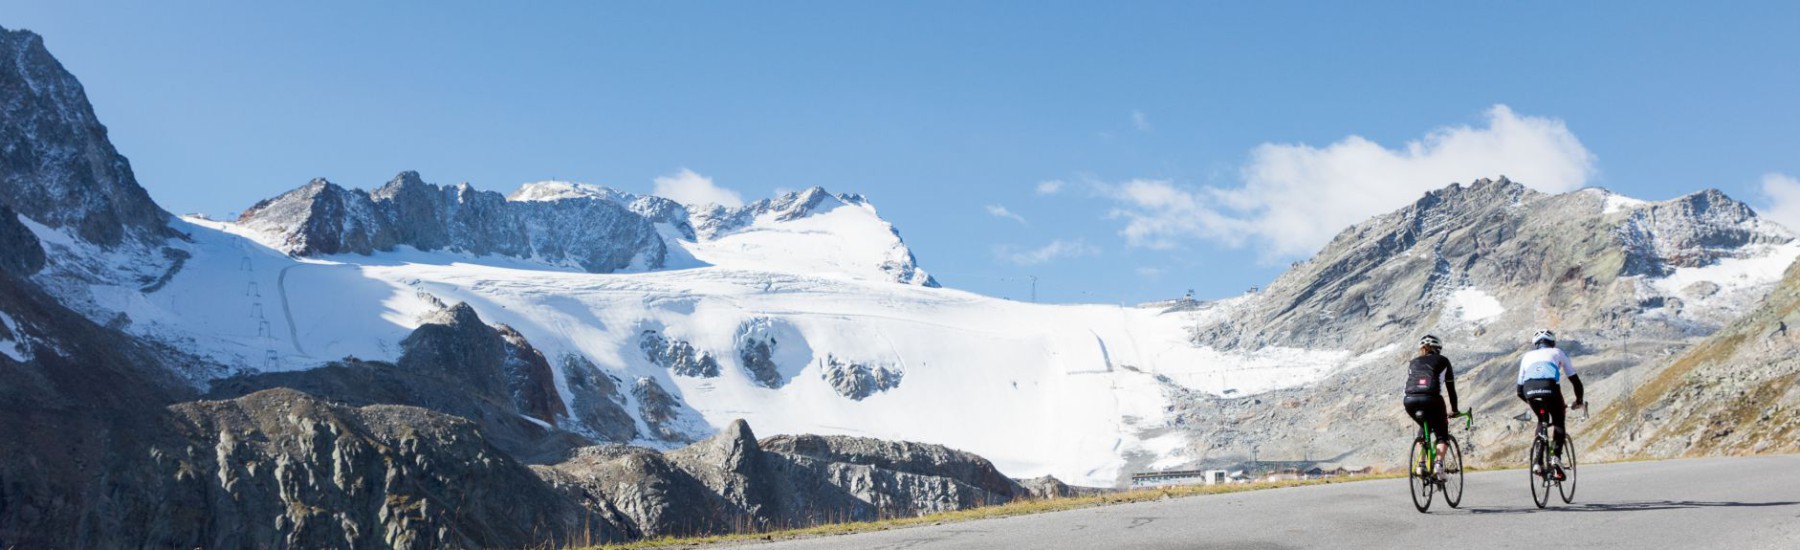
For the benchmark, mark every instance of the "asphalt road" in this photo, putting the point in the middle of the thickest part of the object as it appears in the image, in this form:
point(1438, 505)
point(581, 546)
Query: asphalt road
point(1737, 503)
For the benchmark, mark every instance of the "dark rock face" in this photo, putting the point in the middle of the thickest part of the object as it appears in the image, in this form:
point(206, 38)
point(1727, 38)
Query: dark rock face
point(20, 252)
point(78, 417)
point(858, 381)
point(599, 405)
point(598, 235)
point(661, 411)
point(529, 379)
point(678, 356)
point(56, 165)
point(376, 476)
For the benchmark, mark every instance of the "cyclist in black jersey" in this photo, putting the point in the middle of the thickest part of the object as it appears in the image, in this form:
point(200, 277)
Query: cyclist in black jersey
point(1428, 375)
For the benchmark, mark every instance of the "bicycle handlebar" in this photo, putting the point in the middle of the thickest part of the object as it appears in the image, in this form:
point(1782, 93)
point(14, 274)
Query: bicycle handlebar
point(1468, 419)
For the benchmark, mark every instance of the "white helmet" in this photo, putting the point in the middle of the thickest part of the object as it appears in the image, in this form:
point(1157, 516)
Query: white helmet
point(1544, 336)
point(1431, 341)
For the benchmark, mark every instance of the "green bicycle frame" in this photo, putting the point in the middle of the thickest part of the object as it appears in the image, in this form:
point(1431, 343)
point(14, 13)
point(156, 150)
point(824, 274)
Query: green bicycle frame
point(1431, 442)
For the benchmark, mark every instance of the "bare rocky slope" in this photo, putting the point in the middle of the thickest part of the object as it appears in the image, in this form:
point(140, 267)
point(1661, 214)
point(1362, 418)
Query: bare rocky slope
point(1734, 393)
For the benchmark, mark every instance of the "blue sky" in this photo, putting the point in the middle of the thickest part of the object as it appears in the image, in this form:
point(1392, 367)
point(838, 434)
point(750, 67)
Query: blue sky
point(1199, 146)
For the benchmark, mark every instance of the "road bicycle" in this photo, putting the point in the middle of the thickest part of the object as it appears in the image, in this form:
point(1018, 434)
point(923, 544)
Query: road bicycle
point(1429, 474)
point(1547, 468)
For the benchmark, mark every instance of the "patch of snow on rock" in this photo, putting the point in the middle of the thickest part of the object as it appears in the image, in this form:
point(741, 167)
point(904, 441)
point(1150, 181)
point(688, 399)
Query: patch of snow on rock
point(1475, 306)
point(14, 346)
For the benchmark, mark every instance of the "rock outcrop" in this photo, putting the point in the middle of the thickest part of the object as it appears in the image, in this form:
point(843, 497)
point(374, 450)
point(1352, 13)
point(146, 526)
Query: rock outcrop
point(733, 482)
point(859, 380)
point(680, 357)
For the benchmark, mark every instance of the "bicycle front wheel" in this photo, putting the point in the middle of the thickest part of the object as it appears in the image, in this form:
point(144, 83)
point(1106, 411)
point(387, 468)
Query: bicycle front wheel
point(1417, 467)
point(1540, 479)
point(1453, 473)
point(1567, 484)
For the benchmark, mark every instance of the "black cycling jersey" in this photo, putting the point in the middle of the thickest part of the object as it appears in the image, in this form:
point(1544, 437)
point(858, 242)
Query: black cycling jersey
point(1424, 373)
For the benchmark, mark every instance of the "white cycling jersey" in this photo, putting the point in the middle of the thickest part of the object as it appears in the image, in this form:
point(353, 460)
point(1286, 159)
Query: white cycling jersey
point(1545, 364)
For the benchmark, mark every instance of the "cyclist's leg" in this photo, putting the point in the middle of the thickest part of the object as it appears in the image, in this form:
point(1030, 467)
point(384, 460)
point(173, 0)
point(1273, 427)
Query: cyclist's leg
point(1539, 409)
point(1556, 409)
point(1436, 416)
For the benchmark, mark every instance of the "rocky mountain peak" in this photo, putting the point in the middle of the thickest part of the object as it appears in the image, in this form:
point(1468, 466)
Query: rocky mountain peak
point(1397, 272)
point(404, 182)
point(56, 165)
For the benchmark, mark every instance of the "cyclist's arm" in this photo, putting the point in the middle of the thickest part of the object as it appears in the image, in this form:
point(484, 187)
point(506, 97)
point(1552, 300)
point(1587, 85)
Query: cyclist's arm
point(1450, 384)
point(1519, 385)
point(1569, 368)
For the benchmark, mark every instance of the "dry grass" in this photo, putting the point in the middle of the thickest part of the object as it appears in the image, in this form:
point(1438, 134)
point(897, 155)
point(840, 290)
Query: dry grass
point(1016, 508)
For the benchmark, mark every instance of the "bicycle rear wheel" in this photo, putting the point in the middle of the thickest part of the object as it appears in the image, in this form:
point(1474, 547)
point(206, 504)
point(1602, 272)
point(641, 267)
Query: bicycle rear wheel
point(1567, 484)
point(1540, 480)
point(1453, 473)
point(1416, 470)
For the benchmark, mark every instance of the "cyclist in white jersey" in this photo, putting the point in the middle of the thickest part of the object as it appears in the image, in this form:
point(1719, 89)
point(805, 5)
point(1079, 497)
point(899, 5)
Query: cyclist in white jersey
point(1540, 371)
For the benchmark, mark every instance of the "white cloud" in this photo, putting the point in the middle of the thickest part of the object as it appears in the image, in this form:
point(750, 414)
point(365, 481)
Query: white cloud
point(1139, 121)
point(1050, 187)
point(1151, 272)
point(999, 211)
point(687, 187)
point(1783, 194)
point(1057, 249)
point(1295, 197)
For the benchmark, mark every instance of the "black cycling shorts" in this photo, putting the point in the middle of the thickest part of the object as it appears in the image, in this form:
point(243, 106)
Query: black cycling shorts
point(1430, 410)
point(1551, 408)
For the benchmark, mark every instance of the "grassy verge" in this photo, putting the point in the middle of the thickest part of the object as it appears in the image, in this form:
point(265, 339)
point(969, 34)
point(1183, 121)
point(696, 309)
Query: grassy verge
point(1016, 508)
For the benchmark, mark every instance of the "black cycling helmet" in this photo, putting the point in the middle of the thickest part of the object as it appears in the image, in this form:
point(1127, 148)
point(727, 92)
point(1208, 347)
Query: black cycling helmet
point(1430, 341)
point(1544, 337)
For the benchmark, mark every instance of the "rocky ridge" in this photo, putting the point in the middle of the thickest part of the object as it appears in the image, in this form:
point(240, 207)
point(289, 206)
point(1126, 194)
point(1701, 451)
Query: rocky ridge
point(561, 224)
point(596, 235)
